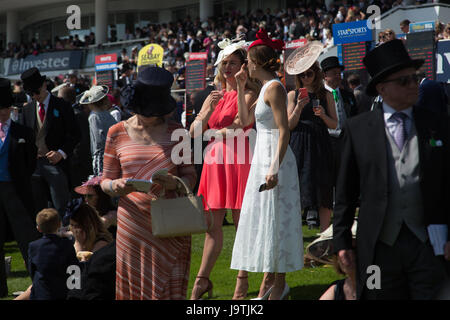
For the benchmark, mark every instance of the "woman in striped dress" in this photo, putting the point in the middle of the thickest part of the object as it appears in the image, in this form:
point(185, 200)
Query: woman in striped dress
point(146, 267)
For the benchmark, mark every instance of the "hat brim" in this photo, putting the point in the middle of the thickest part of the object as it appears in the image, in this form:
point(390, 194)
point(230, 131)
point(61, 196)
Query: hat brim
point(84, 190)
point(84, 100)
point(34, 85)
point(154, 107)
point(371, 89)
point(332, 67)
point(303, 58)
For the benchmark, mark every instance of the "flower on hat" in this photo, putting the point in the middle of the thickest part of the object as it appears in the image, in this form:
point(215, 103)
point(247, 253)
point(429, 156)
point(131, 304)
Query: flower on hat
point(228, 47)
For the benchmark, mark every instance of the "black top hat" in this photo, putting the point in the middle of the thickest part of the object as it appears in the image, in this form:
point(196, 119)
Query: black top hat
point(330, 63)
point(152, 96)
point(386, 59)
point(6, 97)
point(32, 79)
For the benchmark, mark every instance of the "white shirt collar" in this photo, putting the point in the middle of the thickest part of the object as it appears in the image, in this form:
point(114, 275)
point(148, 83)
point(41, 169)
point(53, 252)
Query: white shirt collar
point(46, 101)
point(389, 111)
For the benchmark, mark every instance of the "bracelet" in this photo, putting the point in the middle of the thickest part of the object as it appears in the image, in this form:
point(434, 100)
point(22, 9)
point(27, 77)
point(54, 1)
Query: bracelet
point(111, 186)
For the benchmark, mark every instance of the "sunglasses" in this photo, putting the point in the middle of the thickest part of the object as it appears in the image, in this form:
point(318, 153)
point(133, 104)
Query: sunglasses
point(32, 92)
point(307, 74)
point(405, 80)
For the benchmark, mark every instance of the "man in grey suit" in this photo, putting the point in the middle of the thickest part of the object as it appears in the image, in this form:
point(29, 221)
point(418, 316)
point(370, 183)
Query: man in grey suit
point(396, 159)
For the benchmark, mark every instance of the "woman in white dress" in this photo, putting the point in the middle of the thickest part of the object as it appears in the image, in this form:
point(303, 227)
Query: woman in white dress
point(269, 236)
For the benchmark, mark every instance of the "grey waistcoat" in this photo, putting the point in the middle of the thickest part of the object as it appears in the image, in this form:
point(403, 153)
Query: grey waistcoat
point(405, 197)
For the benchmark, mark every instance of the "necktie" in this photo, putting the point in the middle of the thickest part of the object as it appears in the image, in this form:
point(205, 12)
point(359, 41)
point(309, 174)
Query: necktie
point(2, 133)
point(335, 96)
point(41, 112)
point(400, 134)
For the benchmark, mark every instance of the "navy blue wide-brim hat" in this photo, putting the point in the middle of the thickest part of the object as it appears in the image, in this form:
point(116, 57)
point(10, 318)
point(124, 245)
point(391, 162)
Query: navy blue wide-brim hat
point(32, 79)
point(386, 59)
point(151, 97)
point(6, 97)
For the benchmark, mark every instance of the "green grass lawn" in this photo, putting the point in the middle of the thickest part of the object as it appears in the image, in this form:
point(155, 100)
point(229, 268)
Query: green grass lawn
point(306, 284)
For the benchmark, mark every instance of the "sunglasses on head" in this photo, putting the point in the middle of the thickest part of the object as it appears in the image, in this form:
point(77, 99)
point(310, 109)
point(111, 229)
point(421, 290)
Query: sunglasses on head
point(405, 80)
point(307, 74)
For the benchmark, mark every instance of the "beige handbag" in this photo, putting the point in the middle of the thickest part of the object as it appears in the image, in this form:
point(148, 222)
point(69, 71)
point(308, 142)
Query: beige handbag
point(180, 216)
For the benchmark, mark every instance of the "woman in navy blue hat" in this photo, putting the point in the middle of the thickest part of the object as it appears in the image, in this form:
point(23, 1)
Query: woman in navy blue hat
point(147, 267)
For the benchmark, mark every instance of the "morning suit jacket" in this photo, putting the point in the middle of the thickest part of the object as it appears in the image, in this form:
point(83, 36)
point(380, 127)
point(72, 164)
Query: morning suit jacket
point(364, 172)
point(22, 161)
point(48, 260)
point(432, 96)
point(350, 105)
point(60, 125)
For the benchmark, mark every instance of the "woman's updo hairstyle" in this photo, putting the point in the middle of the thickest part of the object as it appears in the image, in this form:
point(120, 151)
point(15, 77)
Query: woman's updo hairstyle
point(265, 57)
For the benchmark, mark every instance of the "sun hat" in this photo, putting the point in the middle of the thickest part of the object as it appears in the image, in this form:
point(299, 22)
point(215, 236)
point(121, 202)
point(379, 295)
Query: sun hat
point(94, 94)
point(88, 186)
point(303, 58)
point(321, 249)
point(228, 47)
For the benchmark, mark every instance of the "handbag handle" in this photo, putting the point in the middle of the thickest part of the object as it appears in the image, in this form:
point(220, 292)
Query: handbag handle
point(190, 193)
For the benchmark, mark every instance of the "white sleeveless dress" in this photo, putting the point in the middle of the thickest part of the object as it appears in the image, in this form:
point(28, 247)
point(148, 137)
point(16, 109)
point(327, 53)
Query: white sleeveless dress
point(269, 236)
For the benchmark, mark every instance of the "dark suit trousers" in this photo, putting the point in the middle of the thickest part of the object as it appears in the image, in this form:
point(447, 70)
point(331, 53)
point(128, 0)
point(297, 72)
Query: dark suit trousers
point(13, 211)
point(409, 270)
point(55, 178)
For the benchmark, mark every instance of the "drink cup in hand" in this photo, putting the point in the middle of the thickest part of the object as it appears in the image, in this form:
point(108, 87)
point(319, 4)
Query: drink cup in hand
point(316, 104)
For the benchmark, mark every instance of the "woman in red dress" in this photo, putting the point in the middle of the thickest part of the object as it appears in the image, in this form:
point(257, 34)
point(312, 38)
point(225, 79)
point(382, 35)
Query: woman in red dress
point(226, 163)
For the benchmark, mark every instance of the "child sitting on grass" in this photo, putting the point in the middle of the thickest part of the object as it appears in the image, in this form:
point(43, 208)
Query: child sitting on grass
point(48, 260)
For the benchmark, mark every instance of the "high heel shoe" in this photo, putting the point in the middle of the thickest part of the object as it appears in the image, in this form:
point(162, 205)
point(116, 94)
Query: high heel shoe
point(285, 293)
point(240, 296)
point(208, 289)
point(265, 296)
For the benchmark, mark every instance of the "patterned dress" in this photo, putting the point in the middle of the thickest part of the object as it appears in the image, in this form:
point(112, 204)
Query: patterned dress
point(146, 267)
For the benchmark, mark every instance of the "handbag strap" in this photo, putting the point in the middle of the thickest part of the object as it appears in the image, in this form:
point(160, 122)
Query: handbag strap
point(190, 193)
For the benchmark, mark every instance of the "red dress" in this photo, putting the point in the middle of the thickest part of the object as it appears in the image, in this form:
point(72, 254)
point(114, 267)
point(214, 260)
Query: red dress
point(225, 169)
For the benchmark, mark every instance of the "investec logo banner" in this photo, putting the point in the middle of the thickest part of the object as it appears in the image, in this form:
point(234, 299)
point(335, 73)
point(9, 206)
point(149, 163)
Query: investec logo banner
point(49, 61)
point(351, 32)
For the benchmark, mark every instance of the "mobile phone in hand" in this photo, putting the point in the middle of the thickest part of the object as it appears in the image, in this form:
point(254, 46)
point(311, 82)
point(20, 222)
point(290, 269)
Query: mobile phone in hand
point(262, 187)
point(303, 93)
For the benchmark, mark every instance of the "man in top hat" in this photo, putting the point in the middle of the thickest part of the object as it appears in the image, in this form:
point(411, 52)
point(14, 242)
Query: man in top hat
point(52, 120)
point(17, 163)
point(396, 158)
point(344, 100)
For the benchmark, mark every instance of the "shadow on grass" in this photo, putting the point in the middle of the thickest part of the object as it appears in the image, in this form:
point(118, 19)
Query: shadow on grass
point(18, 274)
point(307, 292)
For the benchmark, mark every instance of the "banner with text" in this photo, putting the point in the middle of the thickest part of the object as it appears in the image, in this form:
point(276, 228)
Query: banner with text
point(46, 62)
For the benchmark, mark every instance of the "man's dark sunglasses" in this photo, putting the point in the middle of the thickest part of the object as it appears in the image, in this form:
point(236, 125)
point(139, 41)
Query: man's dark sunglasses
point(32, 92)
point(405, 80)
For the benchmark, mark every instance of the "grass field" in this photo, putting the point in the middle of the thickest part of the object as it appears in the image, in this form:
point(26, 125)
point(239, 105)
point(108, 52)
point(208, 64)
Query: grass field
point(306, 284)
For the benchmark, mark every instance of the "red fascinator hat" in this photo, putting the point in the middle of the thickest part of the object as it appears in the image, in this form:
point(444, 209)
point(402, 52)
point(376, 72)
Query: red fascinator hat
point(264, 39)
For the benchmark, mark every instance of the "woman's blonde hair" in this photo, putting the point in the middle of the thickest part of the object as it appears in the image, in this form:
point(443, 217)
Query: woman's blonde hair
point(252, 84)
point(89, 220)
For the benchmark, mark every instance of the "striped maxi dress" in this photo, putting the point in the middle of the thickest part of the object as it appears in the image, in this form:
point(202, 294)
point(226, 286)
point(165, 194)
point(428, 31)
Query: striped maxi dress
point(146, 267)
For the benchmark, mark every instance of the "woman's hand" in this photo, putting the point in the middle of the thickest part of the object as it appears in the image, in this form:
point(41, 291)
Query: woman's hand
point(213, 99)
point(168, 182)
point(120, 187)
point(271, 181)
point(241, 77)
point(301, 102)
point(319, 111)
